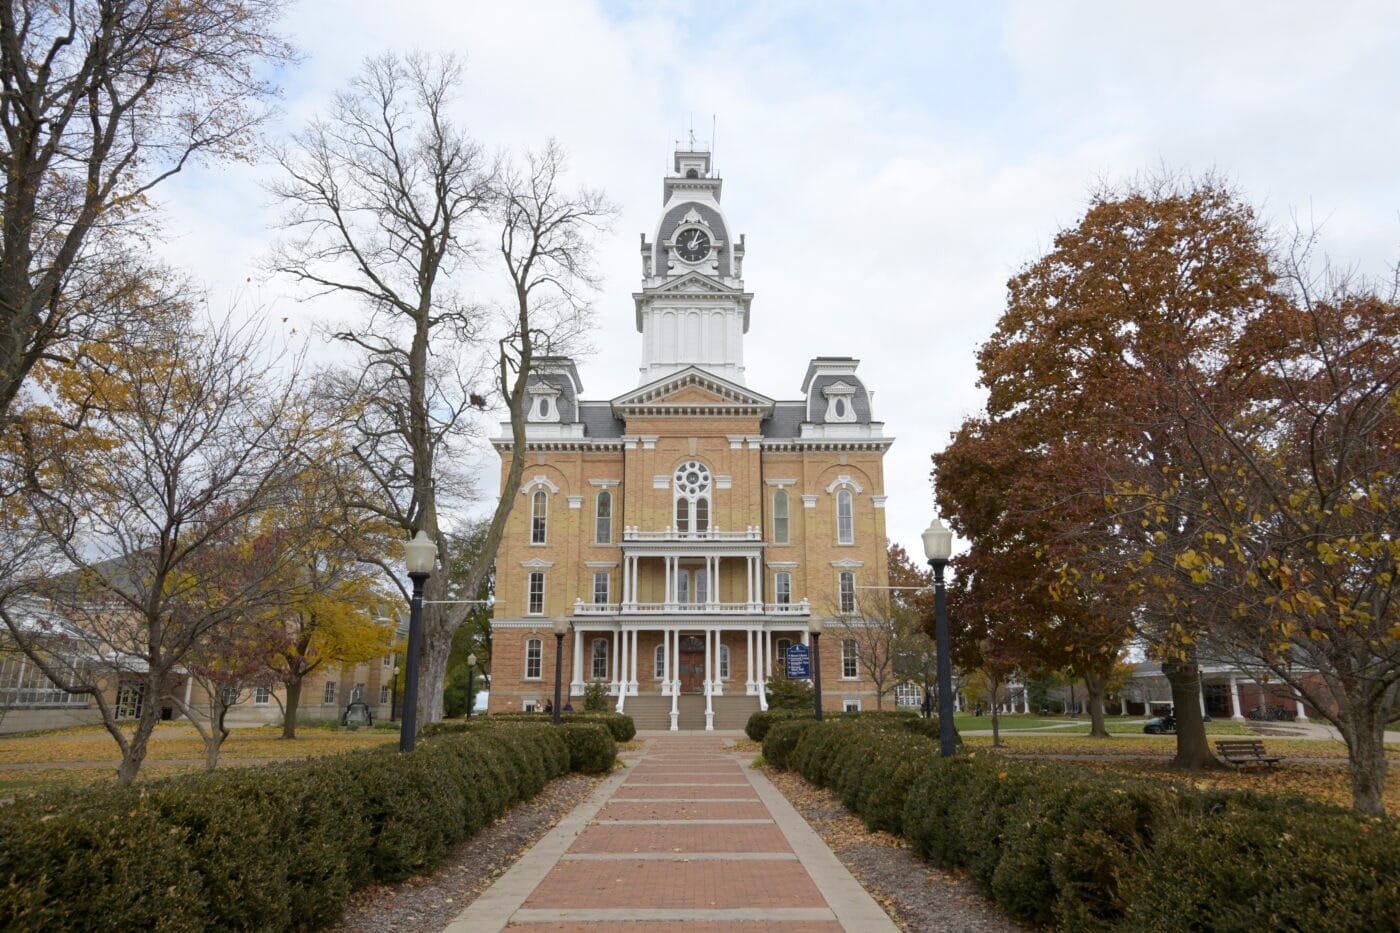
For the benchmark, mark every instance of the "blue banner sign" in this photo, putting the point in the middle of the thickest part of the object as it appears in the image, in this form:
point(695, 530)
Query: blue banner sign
point(799, 662)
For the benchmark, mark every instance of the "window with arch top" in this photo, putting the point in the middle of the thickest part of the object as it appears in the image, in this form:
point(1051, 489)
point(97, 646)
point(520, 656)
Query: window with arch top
point(602, 531)
point(780, 517)
point(539, 516)
point(692, 497)
point(845, 517)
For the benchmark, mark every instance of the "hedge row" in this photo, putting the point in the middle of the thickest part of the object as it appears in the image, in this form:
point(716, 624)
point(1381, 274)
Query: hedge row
point(621, 726)
point(269, 848)
point(759, 723)
point(1083, 851)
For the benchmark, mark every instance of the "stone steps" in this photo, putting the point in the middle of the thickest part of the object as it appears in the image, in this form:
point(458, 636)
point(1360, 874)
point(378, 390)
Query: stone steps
point(651, 711)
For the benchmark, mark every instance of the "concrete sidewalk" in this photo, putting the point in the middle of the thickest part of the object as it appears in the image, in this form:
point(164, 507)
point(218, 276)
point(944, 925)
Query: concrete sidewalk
point(688, 838)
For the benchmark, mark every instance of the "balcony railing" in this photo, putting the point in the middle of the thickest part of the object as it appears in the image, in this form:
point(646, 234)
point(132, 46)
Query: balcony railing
point(801, 608)
point(751, 533)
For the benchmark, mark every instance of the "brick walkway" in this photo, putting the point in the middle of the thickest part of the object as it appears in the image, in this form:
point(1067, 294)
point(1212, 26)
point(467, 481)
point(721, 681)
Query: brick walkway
point(688, 838)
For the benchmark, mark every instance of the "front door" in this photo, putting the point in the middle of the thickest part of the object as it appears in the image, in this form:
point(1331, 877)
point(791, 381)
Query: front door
point(692, 664)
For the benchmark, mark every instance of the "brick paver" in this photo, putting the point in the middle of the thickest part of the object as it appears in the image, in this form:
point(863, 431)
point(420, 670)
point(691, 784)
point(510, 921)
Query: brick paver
point(687, 842)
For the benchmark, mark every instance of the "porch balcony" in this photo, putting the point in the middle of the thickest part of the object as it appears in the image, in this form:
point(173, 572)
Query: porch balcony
point(611, 610)
point(713, 534)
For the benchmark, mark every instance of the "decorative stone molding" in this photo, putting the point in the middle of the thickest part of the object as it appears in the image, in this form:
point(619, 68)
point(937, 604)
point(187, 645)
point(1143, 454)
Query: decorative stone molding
point(724, 482)
point(878, 501)
point(847, 563)
point(599, 564)
point(539, 480)
point(809, 502)
point(844, 480)
point(840, 399)
point(605, 482)
point(648, 443)
point(782, 564)
point(544, 402)
point(537, 564)
point(661, 481)
point(735, 443)
point(576, 502)
point(780, 482)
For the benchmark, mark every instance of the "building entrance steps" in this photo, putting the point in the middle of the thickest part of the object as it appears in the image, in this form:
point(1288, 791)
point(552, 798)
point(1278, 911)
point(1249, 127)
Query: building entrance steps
point(651, 712)
point(689, 836)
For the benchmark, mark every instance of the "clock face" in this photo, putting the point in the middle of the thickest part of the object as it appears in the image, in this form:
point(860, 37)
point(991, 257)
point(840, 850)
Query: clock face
point(693, 245)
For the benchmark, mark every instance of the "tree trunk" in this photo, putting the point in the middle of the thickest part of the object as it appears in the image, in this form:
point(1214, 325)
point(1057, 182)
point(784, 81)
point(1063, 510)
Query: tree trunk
point(432, 671)
point(996, 717)
point(1095, 686)
point(1192, 749)
point(136, 747)
point(1364, 734)
point(289, 712)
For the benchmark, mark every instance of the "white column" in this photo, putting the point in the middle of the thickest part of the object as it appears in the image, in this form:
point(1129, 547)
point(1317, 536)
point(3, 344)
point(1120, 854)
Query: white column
point(576, 684)
point(189, 683)
point(632, 653)
point(636, 578)
point(1302, 711)
point(670, 580)
point(1235, 713)
point(748, 662)
point(717, 679)
point(804, 641)
point(626, 589)
point(714, 581)
point(761, 680)
point(709, 691)
point(1202, 683)
point(614, 671)
point(673, 653)
point(1025, 699)
point(622, 674)
point(748, 580)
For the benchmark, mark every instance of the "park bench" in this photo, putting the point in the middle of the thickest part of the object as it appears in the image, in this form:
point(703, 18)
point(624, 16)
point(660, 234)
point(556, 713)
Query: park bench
point(1241, 752)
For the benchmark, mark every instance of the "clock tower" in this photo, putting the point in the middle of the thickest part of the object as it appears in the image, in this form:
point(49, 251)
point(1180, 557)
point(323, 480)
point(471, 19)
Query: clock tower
point(692, 309)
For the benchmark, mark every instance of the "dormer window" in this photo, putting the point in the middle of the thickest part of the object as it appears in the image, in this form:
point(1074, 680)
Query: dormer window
point(840, 402)
point(544, 403)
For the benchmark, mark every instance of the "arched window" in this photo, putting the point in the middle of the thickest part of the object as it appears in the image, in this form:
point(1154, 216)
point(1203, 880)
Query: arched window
point(724, 662)
point(599, 659)
point(845, 517)
point(534, 658)
point(539, 515)
point(659, 663)
point(782, 588)
point(692, 491)
point(848, 591)
point(602, 531)
point(850, 658)
point(780, 517)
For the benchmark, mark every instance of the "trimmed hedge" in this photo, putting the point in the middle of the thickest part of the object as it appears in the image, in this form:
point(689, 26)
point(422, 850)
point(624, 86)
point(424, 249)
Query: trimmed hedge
point(591, 747)
point(275, 847)
point(760, 722)
point(621, 726)
point(1083, 851)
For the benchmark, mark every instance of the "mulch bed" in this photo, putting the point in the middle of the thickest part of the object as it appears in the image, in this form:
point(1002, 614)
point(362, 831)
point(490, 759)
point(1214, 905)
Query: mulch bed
point(916, 895)
point(432, 901)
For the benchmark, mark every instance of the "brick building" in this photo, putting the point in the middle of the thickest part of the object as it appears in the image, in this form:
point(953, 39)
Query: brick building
point(688, 530)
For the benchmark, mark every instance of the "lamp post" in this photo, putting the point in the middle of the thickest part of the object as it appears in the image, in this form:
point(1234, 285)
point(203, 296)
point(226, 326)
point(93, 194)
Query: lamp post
point(471, 691)
point(938, 547)
point(814, 625)
point(420, 555)
point(561, 628)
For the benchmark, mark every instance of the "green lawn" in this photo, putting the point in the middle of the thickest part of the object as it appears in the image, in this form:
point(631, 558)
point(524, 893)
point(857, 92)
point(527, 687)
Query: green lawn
point(1063, 725)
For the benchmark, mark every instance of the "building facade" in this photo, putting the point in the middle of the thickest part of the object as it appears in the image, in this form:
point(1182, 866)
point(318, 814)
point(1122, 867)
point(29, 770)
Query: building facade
point(690, 529)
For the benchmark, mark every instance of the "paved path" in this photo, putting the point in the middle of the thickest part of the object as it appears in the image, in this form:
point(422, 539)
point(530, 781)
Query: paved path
point(688, 838)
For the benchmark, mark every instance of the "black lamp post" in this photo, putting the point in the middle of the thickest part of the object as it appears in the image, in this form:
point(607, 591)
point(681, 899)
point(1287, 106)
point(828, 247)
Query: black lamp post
point(420, 555)
point(938, 547)
point(471, 689)
point(561, 627)
point(814, 625)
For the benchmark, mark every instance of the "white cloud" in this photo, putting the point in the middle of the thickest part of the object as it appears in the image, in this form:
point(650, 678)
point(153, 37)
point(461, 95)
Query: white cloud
point(890, 165)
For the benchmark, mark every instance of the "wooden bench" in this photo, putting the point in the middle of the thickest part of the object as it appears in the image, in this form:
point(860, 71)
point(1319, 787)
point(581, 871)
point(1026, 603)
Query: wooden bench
point(1241, 752)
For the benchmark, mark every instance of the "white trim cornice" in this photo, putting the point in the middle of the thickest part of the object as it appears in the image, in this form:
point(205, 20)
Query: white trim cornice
point(847, 563)
point(780, 482)
point(537, 564)
point(599, 564)
point(844, 480)
point(605, 483)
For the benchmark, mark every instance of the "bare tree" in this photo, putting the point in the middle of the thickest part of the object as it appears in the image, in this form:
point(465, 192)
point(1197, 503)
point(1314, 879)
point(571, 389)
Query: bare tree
point(154, 514)
point(874, 633)
point(388, 202)
point(101, 101)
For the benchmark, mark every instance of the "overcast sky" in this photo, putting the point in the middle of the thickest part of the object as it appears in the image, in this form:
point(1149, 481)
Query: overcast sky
point(891, 164)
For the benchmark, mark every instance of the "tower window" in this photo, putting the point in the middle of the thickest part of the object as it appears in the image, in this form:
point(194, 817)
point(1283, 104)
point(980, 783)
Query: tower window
point(603, 525)
point(692, 490)
point(845, 517)
point(848, 591)
point(692, 173)
point(539, 513)
point(534, 604)
point(780, 517)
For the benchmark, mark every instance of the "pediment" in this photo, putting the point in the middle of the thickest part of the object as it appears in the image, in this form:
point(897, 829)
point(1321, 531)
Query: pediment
point(691, 387)
point(692, 283)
